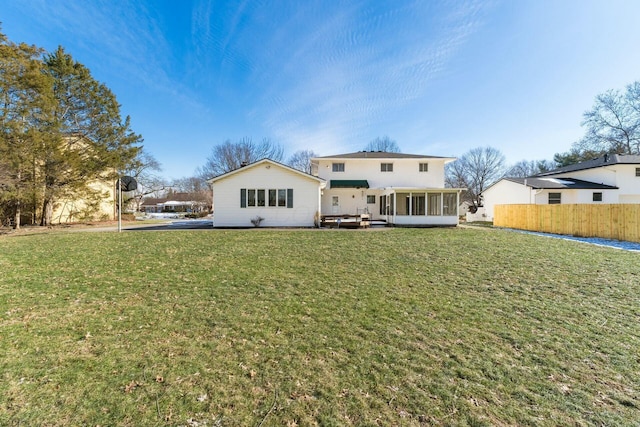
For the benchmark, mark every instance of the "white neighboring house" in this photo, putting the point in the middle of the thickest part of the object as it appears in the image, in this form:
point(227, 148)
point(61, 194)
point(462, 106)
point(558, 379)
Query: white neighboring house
point(401, 189)
point(281, 195)
point(610, 179)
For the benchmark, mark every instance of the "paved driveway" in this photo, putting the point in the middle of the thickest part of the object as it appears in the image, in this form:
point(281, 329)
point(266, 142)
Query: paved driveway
point(187, 224)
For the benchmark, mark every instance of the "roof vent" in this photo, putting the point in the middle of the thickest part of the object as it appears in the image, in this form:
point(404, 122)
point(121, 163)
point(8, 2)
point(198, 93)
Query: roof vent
point(243, 164)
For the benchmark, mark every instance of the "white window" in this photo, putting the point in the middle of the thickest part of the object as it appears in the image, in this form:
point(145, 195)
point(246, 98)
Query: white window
point(386, 167)
point(371, 199)
point(337, 167)
point(597, 197)
point(424, 167)
point(555, 198)
point(282, 197)
point(637, 171)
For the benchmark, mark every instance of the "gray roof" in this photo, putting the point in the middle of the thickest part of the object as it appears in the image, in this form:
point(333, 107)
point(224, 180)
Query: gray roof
point(380, 155)
point(606, 160)
point(550, 183)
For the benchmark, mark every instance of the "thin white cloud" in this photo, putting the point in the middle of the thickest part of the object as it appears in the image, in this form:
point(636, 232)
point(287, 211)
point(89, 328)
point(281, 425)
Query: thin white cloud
point(345, 72)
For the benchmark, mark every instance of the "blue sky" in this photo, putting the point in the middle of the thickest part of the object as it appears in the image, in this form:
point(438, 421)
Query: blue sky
point(439, 77)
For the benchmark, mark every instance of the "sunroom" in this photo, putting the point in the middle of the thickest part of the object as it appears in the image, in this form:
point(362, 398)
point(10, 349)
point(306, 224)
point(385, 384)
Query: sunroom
point(420, 206)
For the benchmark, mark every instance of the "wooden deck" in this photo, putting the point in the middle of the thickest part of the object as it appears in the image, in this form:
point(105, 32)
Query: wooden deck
point(346, 221)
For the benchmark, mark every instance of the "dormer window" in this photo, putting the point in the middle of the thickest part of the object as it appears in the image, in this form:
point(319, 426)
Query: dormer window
point(337, 167)
point(386, 167)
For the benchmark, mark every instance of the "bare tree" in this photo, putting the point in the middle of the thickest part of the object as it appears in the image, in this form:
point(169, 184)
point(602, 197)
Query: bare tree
point(613, 124)
point(384, 143)
point(633, 96)
point(475, 170)
point(229, 156)
point(525, 168)
point(197, 188)
point(143, 169)
point(301, 160)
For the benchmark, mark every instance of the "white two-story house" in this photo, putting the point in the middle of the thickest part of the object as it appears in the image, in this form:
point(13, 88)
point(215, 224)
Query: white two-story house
point(401, 189)
point(609, 179)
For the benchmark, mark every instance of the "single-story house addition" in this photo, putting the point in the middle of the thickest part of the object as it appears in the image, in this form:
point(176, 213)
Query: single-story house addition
point(609, 179)
point(280, 195)
point(542, 191)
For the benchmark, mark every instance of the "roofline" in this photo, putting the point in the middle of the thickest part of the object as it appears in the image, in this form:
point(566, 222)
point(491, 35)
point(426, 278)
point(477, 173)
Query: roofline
point(261, 161)
point(575, 167)
point(434, 189)
point(410, 157)
point(536, 177)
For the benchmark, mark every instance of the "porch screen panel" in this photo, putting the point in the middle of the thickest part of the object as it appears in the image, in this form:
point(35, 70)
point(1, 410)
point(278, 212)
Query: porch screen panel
point(402, 207)
point(449, 204)
point(433, 207)
point(289, 197)
point(417, 204)
point(260, 197)
point(243, 197)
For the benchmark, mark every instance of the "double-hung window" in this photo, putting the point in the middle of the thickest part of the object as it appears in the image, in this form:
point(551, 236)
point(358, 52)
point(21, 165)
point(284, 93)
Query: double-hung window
point(337, 167)
point(555, 198)
point(386, 167)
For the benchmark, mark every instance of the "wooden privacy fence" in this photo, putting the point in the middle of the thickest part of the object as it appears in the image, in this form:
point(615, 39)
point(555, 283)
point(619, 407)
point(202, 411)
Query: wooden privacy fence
point(620, 222)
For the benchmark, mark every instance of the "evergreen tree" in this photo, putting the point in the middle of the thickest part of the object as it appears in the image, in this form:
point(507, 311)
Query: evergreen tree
point(60, 131)
point(91, 141)
point(26, 104)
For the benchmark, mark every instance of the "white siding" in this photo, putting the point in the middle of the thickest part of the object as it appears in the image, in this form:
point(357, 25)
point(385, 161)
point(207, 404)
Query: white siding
point(621, 176)
point(511, 193)
point(405, 172)
point(507, 193)
point(352, 201)
point(226, 194)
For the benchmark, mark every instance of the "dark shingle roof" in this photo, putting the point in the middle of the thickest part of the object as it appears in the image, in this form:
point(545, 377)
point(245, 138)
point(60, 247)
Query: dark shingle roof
point(560, 183)
point(380, 155)
point(606, 160)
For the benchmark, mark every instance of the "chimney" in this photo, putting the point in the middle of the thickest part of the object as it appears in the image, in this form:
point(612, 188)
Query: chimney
point(243, 164)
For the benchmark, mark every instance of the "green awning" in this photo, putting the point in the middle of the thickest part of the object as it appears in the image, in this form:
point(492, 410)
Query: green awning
point(349, 183)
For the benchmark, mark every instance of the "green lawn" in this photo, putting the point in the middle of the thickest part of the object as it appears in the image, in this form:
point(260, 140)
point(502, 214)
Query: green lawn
point(307, 327)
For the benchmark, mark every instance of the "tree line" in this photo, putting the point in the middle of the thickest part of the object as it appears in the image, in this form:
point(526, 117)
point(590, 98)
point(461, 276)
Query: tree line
point(61, 130)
